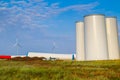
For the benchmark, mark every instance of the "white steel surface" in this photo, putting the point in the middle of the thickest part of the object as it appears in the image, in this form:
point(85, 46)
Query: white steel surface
point(80, 41)
point(95, 37)
point(112, 37)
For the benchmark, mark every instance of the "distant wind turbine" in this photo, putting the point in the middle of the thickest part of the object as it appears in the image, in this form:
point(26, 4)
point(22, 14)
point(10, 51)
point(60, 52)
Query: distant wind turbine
point(17, 46)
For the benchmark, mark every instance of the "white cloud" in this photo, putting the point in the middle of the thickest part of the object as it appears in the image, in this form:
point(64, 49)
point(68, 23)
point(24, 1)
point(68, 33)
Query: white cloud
point(26, 14)
point(81, 7)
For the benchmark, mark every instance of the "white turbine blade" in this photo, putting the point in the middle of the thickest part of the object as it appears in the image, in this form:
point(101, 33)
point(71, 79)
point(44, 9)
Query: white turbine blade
point(19, 45)
point(15, 45)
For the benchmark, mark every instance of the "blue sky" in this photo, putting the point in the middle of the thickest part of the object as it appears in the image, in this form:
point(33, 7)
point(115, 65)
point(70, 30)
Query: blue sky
point(39, 23)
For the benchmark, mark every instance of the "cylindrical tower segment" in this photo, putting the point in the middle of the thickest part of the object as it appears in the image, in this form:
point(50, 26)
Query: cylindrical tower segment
point(112, 37)
point(95, 37)
point(80, 41)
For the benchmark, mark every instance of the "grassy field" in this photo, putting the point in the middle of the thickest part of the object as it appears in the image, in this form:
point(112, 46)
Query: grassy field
point(59, 70)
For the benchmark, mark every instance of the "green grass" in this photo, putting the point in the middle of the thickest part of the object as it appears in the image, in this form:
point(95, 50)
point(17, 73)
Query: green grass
point(59, 70)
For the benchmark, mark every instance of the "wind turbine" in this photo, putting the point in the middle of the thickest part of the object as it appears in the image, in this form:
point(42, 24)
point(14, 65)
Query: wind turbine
point(17, 45)
point(54, 46)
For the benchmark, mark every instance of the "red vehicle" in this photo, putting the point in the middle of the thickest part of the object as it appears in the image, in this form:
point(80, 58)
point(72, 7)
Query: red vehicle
point(5, 57)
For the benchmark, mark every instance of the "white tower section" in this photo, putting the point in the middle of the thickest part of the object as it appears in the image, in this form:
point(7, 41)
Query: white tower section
point(112, 37)
point(80, 41)
point(95, 37)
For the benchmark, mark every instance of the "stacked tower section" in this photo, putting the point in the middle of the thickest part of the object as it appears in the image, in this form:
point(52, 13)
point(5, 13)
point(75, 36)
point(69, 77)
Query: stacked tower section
point(80, 52)
point(112, 37)
point(97, 38)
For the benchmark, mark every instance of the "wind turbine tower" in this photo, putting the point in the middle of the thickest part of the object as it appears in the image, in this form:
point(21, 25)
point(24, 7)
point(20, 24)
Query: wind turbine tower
point(54, 46)
point(17, 46)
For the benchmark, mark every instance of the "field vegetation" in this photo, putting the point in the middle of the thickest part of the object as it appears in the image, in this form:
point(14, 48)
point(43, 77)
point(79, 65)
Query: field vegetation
point(37, 69)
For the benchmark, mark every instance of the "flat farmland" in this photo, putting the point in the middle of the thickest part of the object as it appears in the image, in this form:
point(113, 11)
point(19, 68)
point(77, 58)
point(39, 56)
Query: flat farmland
point(59, 70)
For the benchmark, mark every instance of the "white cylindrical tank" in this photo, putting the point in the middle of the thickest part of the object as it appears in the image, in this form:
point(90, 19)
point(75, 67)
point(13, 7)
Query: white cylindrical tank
point(112, 37)
point(80, 41)
point(95, 37)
